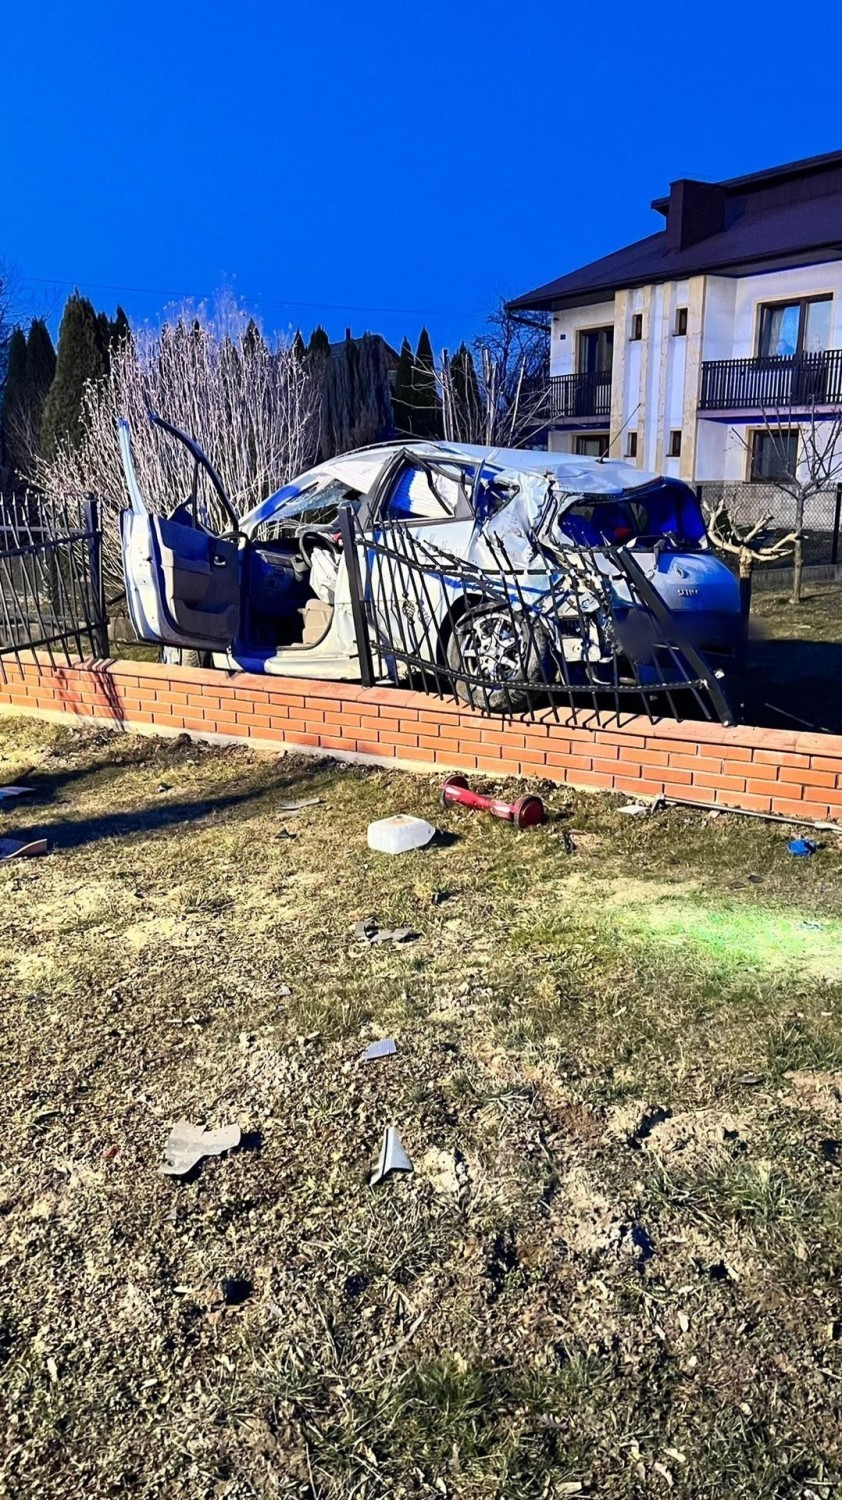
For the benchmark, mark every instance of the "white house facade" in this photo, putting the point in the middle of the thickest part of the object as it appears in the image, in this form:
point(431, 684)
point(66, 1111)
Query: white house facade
point(707, 350)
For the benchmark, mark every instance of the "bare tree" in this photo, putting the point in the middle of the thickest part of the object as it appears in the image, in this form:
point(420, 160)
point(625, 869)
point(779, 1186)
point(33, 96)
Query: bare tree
point(498, 395)
point(482, 403)
point(519, 346)
point(251, 405)
point(814, 466)
point(751, 543)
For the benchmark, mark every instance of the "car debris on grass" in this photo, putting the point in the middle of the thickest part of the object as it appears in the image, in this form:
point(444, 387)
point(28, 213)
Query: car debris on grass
point(392, 1157)
point(22, 849)
point(387, 1047)
point(369, 932)
point(187, 1145)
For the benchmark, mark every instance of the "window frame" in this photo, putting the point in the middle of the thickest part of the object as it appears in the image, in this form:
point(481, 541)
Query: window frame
point(636, 335)
point(674, 449)
point(583, 333)
point(631, 443)
point(680, 327)
point(752, 434)
point(374, 506)
point(802, 303)
point(589, 437)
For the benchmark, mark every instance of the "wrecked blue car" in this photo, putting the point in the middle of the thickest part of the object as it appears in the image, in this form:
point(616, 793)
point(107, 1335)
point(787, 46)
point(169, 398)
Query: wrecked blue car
point(274, 591)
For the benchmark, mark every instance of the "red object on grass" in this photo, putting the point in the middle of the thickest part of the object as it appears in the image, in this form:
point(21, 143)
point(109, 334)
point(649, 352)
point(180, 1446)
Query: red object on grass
point(527, 812)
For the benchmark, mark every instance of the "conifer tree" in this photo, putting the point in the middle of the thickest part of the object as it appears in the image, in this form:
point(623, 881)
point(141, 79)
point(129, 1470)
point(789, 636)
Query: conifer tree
point(319, 342)
point(119, 329)
point(425, 393)
point(12, 409)
point(465, 389)
point(373, 418)
point(40, 374)
point(402, 399)
point(82, 356)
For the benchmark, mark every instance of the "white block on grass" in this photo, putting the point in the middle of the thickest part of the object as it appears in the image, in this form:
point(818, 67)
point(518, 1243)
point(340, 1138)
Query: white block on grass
point(398, 834)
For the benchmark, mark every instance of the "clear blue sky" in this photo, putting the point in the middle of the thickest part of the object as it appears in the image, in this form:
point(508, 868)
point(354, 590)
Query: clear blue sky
point(379, 165)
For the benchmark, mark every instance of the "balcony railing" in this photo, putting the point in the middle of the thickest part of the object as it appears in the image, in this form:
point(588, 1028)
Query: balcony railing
point(772, 382)
point(584, 396)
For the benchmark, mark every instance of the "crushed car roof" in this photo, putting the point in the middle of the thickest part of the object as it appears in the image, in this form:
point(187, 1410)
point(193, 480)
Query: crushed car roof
point(573, 473)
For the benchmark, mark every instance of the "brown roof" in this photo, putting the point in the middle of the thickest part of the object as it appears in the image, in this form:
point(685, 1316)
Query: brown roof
point(784, 216)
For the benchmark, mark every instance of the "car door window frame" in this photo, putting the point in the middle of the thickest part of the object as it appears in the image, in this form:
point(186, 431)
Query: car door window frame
point(373, 512)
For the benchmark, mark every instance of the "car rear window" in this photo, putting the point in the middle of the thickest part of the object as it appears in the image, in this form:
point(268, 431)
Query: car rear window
point(667, 511)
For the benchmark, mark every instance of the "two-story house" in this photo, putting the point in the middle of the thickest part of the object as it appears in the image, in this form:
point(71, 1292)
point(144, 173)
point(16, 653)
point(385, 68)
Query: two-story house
point(681, 351)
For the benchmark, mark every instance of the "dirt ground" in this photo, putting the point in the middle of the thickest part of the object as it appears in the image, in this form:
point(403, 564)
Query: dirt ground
point(615, 1269)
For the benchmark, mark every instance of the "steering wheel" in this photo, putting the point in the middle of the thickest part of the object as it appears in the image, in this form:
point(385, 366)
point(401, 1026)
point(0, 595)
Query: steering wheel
point(309, 537)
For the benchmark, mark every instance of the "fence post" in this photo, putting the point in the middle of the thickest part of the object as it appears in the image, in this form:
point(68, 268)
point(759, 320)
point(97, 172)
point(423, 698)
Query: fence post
point(347, 531)
point(837, 518)
point(99, 623)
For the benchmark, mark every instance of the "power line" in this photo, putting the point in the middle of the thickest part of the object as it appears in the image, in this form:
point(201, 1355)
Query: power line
point(157, 291)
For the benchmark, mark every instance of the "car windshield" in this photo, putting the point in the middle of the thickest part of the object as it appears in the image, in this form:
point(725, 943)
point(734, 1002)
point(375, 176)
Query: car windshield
point(666, 511)
point(317, 504)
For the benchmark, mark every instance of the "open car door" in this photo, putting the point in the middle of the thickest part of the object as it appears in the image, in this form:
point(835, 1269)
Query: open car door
point(182, 581)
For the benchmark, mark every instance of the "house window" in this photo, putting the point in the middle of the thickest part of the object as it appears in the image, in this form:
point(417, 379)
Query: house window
point(680, 322)
point(774, 453)
point(637, 326)
point(675, 443)
point(592, 444)
point(596, 350)
point(631, 445)
point(787, 329)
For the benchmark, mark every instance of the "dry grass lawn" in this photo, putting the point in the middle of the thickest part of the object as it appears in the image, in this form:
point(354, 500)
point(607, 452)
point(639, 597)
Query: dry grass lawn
point(615, 1269)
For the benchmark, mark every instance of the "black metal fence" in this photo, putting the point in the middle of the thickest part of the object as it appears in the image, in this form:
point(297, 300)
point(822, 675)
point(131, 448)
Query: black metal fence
point(51, 592)
point(585, 631)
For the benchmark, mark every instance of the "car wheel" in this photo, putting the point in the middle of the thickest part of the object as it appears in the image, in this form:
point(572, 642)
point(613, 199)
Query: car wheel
point(177, 656)
point(495, 660)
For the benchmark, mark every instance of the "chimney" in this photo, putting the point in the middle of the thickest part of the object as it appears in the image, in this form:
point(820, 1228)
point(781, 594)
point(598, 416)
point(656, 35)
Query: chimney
point(348, 334)
point(696, 211)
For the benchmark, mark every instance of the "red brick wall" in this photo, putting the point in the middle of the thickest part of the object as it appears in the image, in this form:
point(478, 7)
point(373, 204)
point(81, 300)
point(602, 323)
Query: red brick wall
point(763, 770)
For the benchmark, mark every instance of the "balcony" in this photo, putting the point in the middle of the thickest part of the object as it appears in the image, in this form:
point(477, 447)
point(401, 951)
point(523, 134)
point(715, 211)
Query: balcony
point(580, 397)
point(772, 382)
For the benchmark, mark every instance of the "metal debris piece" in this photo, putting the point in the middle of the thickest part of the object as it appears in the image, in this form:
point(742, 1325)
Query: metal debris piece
point(634, 809)
point(285, 834)
point(392, 1157)
point(14, 849)
point(187, 1145)
point(15, 791)
point(385, 1048)
point(813, 926)
point(296, 807)
point(367, 932)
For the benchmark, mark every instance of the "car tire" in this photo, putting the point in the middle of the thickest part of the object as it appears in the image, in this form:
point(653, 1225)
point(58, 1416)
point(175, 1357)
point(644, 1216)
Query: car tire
point(177, 656)
point(511, 663)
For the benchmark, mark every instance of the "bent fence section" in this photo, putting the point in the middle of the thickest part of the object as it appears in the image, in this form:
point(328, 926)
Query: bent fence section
point(769, 771)
point(581, 631)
